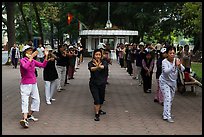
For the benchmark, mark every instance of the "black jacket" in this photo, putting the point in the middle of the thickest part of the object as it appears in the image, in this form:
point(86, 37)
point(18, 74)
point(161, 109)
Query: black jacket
point(98, 77)
point(50, 72)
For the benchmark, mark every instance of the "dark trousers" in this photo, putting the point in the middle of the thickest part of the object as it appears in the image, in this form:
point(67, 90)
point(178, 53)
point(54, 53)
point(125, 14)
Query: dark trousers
point(121, 60)
point(129, 67)
point(147, 82)
point(71, 72)
point(67, 68)
point(14, 62)
point(98, 93)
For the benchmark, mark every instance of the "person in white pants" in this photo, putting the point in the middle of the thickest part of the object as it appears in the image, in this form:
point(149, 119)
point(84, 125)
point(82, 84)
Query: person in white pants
point(28, 90)
point(62, 59)
point(50, 77)
point(28, 84)
point(167, 81)
point(50, 88)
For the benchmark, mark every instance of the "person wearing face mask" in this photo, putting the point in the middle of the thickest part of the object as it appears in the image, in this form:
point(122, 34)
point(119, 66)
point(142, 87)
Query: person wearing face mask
point(168, 81)
point(28, 84)
point(97, 82)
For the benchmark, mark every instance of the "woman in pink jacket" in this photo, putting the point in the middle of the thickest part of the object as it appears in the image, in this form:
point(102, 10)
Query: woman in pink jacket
point(28, 84)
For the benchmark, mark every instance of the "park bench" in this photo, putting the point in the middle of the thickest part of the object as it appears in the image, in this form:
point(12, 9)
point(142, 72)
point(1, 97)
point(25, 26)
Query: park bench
point(183, 86)
point(193, 84)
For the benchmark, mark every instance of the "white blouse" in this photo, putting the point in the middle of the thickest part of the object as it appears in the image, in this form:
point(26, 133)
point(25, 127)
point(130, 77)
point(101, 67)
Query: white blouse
point(169, 73)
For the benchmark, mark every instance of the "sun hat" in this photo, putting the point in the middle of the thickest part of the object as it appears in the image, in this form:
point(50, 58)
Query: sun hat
point(48, 47)
point(141, 43)
point(26, 47)
point(71, 47)
point(126, 43)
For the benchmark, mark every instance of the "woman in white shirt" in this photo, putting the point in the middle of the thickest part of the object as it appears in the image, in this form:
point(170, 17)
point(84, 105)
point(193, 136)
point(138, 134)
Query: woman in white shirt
point(168, 81)
point(40, 55)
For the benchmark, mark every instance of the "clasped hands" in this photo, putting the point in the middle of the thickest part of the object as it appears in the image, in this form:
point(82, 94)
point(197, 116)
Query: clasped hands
point(148, 73)
point(98, 64)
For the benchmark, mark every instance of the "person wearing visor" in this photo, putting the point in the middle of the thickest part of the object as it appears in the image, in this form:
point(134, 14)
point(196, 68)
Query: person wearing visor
point(50, 76)
point(28, 84)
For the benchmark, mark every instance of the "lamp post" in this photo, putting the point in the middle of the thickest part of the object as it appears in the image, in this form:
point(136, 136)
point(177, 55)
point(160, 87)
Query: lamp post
point(108, 24)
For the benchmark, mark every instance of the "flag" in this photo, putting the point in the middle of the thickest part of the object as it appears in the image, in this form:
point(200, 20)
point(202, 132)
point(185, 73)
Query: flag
point(69, 18)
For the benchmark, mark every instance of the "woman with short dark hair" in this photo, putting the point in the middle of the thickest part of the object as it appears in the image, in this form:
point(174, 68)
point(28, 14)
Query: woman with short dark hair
point(97, 82)
point(168, 81)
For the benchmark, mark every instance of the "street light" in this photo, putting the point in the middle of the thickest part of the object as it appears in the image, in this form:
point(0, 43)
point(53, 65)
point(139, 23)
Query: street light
point(108, 24)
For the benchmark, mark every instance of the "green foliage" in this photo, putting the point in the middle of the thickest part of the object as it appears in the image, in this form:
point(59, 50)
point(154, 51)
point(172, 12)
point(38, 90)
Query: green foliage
point(191, 14)
point(161, 21)
point(197, 67)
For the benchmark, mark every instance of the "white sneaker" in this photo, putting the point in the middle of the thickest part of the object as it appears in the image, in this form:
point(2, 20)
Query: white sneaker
point(52, 99)
point(32, 118)
point(170, 120)
point(48, 102)
point(24, 123)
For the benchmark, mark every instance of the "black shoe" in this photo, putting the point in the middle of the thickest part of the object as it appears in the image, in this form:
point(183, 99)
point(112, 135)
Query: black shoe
point(155, 100)
point(97, 117)
point(66, 83)
point(149, 90)
point(101, 112)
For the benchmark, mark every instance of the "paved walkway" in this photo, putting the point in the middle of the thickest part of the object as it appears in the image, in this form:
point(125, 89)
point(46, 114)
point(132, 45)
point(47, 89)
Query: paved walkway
point(130, 111)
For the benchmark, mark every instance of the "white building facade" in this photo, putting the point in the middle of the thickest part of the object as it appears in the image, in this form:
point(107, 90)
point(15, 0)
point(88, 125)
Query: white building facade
point(94, 37)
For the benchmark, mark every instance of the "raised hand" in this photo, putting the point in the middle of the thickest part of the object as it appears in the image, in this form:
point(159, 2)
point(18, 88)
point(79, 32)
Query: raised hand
point(177, 62)
point(34, 54)
point(95, 62)
point(46, 52)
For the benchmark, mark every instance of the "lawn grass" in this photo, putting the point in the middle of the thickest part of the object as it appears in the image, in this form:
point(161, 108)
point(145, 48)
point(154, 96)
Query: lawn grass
point(197, 67)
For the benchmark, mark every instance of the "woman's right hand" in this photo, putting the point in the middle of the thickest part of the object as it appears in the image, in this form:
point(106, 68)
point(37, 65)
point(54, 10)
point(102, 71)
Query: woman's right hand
point(177, 62)
point(34, 54)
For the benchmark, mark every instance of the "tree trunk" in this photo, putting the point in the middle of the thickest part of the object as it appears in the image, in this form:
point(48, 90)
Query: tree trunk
point(20, 5)
point(10, 9)
point(39, 22)
point(58, 36)
point(51, 37)
point(197, 42)
point(200, 36)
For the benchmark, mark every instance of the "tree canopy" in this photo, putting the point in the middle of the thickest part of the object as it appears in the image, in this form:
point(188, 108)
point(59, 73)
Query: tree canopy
point(155, 21)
